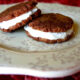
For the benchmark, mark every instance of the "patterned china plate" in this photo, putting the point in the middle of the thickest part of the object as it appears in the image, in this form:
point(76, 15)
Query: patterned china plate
point(19, 54)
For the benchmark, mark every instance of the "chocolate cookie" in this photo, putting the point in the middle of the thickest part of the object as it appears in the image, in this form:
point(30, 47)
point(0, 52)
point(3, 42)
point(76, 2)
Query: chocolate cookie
point(50, 28)
point(17, 16)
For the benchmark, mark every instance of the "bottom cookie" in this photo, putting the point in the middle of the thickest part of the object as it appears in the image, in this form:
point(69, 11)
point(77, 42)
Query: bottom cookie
point(50, 41)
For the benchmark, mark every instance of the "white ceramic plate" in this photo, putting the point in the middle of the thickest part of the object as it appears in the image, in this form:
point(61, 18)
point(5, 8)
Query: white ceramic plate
point(19, 54)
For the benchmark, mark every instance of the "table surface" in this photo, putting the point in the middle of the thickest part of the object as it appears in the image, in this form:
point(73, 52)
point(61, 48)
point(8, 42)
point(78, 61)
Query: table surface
point(67, 2)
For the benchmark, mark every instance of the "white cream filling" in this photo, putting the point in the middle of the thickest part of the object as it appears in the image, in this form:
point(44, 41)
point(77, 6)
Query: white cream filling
point(12, 22)
point(48, 35)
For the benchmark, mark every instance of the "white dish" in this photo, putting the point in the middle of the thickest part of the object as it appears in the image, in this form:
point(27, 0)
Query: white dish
point(20, 54)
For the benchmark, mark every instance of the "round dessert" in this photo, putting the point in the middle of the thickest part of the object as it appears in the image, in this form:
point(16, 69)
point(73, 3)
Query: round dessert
point(18, 15)
point(50, 28)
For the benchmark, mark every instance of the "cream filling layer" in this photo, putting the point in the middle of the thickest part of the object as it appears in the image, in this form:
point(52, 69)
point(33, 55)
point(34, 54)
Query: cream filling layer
point(48, 35)
point(12, 22)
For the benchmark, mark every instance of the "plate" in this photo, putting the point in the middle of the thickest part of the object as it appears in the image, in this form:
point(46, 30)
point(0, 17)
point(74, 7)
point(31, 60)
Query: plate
point(19, 54)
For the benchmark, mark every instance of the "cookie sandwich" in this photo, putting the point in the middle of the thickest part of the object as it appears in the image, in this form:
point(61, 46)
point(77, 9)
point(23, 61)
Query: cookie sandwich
point(18, 15)
point(50, 28)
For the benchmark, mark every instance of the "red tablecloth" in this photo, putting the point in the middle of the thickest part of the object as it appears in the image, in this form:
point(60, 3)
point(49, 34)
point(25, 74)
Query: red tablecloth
point(23, 77)
point(67, 2)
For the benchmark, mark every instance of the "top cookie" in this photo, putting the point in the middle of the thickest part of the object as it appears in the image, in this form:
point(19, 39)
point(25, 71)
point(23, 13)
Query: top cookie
point(52, 22)
point(17, 10)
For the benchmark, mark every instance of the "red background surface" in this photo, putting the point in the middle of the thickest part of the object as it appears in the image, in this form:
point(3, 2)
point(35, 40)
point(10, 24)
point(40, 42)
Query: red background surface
point(68, 2)
point(23, 77)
